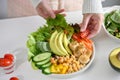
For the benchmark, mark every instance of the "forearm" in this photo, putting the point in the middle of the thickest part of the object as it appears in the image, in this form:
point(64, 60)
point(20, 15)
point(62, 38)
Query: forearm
point(92, 6)
point(35, 2)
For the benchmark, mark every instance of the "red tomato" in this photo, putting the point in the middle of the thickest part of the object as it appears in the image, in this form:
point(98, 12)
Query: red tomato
point(9, 56)
point(14, 78)
point(5, 62)
point(84, 33)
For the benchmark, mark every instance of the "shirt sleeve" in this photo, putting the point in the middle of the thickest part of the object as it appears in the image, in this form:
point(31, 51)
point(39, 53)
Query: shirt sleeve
point(35, 2)
point(92, 6)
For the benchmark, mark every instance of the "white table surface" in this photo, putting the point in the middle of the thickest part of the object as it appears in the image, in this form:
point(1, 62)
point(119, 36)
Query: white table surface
point(13, 35)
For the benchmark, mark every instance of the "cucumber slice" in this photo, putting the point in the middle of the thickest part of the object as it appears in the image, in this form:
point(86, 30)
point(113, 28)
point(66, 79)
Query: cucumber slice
point(43, 46)
point(30, 55)
point(39, 46)
point(34, 66)
point(46, 65)
point(46, 71)
point(41, 56)
point(43, 62)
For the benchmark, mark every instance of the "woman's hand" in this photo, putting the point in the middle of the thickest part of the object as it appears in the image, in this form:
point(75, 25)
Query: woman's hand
point(92, 22)
point(46, 11)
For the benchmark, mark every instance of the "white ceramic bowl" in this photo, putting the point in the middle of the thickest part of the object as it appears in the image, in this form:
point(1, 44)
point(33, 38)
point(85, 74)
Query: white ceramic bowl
point(110, 35)
point(108, 10)
point(65, 76)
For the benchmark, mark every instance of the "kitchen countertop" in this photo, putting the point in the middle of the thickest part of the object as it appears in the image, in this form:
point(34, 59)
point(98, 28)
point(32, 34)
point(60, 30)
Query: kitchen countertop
point(13, 36)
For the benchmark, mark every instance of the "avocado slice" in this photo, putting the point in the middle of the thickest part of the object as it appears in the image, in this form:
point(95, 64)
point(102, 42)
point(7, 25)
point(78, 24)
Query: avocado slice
point(114, 59)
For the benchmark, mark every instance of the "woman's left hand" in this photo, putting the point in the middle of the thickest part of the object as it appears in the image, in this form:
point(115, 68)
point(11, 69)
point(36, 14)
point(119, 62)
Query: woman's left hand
point(92, 22)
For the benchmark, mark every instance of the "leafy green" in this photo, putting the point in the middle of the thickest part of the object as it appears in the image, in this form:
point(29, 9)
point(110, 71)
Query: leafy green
point(58, 21)
point(116, 16)
point(31, 44)
point(59, 24)
point(43, 33)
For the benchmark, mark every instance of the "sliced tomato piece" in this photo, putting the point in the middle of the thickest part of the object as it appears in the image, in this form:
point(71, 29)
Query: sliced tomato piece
point(5, 62)
point(84, 34)
point(9, 56)
point(76, 37)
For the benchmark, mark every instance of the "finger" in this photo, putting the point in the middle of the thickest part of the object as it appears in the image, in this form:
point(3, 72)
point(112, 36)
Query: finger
point(80, 24)
point(91, 35)
point(51, 14)
point(64, 14)
point(59, 11)
point(42, 13)
point(95, 31)
point(85, 22)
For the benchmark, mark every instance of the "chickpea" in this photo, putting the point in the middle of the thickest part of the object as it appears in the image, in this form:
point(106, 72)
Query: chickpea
point(61, 60)
point(65, 64)
point(82, 66)
point(56, 57)
point(74, 67)
point(67, 57)
point(53, 60)
point(77, 65)
point(70, 70)
point(73, 57)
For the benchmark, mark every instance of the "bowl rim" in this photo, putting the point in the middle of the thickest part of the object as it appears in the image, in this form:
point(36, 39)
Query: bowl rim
point(110, 35)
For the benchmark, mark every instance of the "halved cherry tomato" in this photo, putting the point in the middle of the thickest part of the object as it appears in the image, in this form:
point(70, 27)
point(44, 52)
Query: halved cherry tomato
point(84, 34)
point(5, 62)
point(9, 56)
point(14, 78)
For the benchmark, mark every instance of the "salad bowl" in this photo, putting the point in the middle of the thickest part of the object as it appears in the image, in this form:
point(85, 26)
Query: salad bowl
point(112, 25)
point(59, 49)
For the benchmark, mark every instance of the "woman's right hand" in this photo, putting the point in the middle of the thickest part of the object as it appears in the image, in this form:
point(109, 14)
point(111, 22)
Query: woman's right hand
point(46, 11)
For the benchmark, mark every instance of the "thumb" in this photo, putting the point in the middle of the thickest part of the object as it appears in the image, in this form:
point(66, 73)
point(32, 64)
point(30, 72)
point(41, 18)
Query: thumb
point(85, 22)
point(52, 15)
point(50, 12)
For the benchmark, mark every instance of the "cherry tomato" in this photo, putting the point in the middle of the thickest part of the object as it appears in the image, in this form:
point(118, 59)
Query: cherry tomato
point(5, 62)
point(9, 56)
point(14, 78)
point(84, 34)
